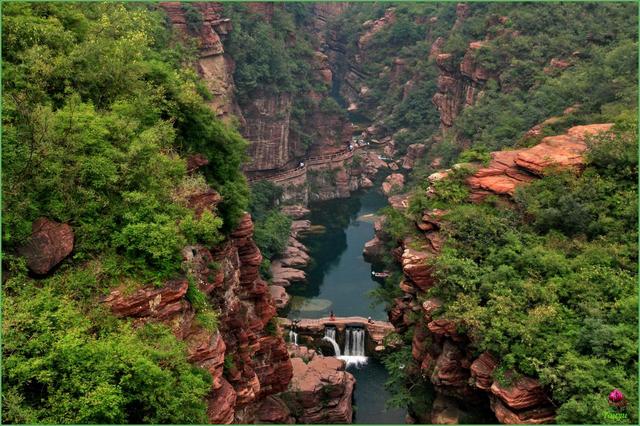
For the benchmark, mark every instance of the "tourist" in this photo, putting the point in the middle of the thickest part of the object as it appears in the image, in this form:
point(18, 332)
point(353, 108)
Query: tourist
point(369, 320)
point(332, 316)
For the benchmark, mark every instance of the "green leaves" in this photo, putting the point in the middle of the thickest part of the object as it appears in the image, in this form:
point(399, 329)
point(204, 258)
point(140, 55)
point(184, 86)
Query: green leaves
point(58, 368)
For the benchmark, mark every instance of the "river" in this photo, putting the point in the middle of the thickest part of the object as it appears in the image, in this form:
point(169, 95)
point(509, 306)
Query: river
point(339, 279)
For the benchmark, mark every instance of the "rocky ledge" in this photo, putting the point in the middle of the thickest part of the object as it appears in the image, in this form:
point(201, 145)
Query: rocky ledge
point(510, 169)
point(376, 330)
point(443, 354)
point(321, 391)
point(286, 269)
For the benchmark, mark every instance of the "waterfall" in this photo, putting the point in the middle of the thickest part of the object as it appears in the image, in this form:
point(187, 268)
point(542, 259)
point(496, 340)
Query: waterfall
point(354, 346)
point(330, 336)
point(293, 337)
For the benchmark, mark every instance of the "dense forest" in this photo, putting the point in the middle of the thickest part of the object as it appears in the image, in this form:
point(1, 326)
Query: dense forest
point(103, 105)
point(100, 109)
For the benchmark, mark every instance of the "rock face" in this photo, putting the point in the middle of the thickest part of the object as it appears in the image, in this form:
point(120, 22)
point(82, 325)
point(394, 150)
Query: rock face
point(442, 352)
point(414, 152)
point(393, 182)
point(295, 211)
point(482, 370)
point(50, 242)
point(510, 169)
point(215, 67)
point(321, 391)
point(267, 117)
point(258, 358)
point(459, 85)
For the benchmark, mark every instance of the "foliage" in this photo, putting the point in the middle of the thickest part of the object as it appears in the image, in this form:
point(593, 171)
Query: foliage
point(61, 367)
point(551, 287)
point(100, 105)
point(272, 234)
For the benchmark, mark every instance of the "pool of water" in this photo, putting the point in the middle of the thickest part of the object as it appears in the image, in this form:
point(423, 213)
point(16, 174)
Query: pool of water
point(339, 279)
point(370, 396)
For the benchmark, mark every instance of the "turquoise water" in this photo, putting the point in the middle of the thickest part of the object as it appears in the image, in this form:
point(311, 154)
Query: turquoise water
point(340, 280)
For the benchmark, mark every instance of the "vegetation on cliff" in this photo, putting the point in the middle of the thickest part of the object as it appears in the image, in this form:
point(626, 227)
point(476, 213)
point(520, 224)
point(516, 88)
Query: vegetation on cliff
point(551, 286)
point(100, 108)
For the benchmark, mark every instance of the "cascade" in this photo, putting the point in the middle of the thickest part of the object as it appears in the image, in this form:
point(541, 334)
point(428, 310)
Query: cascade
point(293, 337)
point(354, 346)
point(330, 336)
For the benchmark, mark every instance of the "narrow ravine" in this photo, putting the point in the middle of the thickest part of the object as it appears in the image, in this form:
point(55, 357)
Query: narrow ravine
point(339, 280)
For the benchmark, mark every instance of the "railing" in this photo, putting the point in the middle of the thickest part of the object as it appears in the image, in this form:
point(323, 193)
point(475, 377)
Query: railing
point(300, 170)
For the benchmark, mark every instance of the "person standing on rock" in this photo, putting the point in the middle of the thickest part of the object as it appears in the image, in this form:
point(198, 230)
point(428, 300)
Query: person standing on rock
point(332, 316)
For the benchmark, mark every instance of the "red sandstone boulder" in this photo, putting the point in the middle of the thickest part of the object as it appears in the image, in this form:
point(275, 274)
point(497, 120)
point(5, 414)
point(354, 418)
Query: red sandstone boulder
point(49, 244)
point(399, 202)
point(482, 370)
point(160, 303)
point(523, 393)
point(221, 405)
point(564, 151)
point(393, 182)
point(374, 249)
point(449, 369)
point(320, 391)
point(444, 327)
point(414, 152)
point(414, 266)
point(429, 306)
point(274, 410)
point(534, 416)
point(279, 296)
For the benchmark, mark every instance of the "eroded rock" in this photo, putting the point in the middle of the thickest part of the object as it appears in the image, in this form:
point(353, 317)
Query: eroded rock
point(50, 242)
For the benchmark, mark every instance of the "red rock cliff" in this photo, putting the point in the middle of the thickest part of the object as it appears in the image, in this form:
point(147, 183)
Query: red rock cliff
point(442, 354)
point(247, 360)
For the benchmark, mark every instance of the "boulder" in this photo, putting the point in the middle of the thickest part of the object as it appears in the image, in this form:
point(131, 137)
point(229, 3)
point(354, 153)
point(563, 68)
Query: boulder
point(50, 242)
point(320, 391)
point(149, 301)
point(414, 152)
point(523, 393)
point(283, 276)
point(393, 182)
point(415, 267)
point(373, 250)
point(279, 296)
point(534, 416)
point(450, 367)
point(274, 410)
point(482, 370)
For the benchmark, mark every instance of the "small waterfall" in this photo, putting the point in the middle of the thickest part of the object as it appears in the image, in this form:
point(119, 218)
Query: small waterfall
point(354, 343)
point(293, 337)
point(330, 336)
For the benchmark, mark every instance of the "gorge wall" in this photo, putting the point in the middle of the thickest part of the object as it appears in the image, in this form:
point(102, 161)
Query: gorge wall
point(443, 355)
point(245, 355)
point(280, 142)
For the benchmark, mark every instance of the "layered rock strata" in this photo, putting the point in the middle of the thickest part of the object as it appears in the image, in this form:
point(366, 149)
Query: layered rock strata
point(247, 361)
point(321, 391)
point(443, 355)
